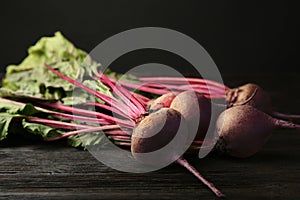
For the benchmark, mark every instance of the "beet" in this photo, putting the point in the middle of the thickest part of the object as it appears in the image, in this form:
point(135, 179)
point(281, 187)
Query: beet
point(164, 101)
point(243, 130)
point(155, 132)
point(164, 128)
point(196, 110)
point(249, 94)
point(253, 95)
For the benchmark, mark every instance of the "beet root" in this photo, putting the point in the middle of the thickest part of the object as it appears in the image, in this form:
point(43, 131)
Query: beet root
point(160, 137)
point(196, 110)
point(243, 130)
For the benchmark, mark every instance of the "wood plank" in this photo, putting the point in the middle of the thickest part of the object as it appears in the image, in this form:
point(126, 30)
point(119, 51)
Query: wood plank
point(59, 172)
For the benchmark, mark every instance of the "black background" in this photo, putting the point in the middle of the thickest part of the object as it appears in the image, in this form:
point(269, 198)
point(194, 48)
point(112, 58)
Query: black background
point(243, 38)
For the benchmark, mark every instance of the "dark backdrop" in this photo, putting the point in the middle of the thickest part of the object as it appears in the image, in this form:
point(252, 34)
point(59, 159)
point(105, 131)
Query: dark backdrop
point(242, 37)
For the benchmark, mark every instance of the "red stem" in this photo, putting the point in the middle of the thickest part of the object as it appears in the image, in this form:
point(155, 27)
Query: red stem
point(87, 130)
point(201, 87)
point(138, 99)
point(107, 99)
point(120, 138)
point(106, 107)
point(180, 80)
point(115, 89)
point(127, 144)
point(63, 115)
point(141, 97)
point(134, 100)
point(142, 102)
point(79, 118)
point(181, 161)
point(57, 124)
point(285, 116)
point(144, 88)
point(217, 92)
point(205, 88)
point(89, 113)
point(118, 132)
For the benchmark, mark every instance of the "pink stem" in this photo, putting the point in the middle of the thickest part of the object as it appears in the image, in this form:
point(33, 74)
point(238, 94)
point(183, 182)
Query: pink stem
point(62, 115)
point(127, 144)
point(142, 102)
point(205, 89)
point(106, 107)
point(201, 87)
point(120, 138)
point(285, 116)
point(134, 100)
point(138, 99)
point(118, 132)
point(79, 118)
point(89, 113)
point(113, 87)
point(144, 88)
point(57, 124)
point(141, 97)
point(87, 130)
point(181, 161)
point(180, 80)
point(109, 100)
point(162, 91)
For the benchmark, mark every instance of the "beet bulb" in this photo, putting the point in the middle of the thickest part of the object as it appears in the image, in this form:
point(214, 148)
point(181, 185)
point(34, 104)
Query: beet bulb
point(153, 139)
point(253, 95)
point(249, 94)
point(162, 137)
point(196, 110)
point(243, 130)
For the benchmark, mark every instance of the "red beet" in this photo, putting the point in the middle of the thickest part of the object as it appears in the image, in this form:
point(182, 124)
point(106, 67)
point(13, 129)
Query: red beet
point(164, 101)
point(196, 110)
point(243, 130)
point(156, 131)
point(249, 94)
point(253, 95)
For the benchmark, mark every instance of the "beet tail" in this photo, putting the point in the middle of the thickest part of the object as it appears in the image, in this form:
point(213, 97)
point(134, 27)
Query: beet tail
point(285, 116)
point(281, 124)
point(181, 161)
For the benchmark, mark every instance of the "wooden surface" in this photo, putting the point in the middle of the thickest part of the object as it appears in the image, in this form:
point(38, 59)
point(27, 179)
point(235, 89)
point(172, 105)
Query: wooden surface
point(38, 170)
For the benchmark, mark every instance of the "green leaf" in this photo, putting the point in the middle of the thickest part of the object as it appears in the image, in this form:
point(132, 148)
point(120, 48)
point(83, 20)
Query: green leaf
point(49, 50)
point(85, 139)
point(13, 108)
point(7, 92)
point(97, 86)
point(32, 78)
point(74, 100)
point(40, 129)
point(5, 121)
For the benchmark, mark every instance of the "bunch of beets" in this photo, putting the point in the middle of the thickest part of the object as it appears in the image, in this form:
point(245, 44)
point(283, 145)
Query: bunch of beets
point(145, 125)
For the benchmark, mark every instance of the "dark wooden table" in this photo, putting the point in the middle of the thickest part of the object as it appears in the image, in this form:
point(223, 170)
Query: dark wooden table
point(37, 170)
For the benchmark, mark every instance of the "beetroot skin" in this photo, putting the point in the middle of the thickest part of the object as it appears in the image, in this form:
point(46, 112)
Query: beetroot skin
point(196, 110)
